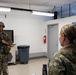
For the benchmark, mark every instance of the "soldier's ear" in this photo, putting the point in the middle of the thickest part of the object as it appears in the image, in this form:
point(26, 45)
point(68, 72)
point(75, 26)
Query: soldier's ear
point(64, 37)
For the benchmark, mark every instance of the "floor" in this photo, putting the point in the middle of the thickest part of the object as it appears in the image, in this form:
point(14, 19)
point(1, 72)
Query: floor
point(34, 67)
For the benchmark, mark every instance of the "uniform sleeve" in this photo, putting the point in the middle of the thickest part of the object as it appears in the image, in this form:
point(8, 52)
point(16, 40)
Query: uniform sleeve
point(55, 67)
point(9, 41)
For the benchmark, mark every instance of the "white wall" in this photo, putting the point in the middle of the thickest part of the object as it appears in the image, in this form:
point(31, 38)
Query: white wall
point(61, 22)
point(27, 29)
point(30, 29)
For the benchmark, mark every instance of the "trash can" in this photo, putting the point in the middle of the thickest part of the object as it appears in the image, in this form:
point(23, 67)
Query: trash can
point(23, 51)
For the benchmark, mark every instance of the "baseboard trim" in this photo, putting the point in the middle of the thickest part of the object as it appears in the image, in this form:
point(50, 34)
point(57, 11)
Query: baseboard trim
point(39, 54)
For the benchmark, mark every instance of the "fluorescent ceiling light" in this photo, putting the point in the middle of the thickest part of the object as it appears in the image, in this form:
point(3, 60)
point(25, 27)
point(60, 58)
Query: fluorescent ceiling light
point(42, 13)
point(4, 9)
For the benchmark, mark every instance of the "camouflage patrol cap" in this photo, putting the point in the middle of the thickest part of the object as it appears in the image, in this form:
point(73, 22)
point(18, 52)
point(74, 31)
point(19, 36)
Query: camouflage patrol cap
point(2, 24)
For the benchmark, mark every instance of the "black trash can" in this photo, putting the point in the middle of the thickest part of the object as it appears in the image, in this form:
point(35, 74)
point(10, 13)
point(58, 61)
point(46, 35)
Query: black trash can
point(23, 53)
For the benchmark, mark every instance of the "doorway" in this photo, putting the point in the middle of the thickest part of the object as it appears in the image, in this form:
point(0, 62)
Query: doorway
point(52, 39)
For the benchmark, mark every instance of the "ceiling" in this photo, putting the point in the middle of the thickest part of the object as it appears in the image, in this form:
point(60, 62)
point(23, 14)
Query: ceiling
point(41, 5)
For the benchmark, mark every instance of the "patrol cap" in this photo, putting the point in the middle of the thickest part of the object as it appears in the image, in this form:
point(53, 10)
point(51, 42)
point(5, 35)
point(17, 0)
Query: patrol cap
point(2, 24)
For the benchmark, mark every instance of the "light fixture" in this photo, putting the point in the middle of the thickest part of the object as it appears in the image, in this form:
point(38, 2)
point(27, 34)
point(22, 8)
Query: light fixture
point(8, 9)
point(42, 13)
point(4, 9)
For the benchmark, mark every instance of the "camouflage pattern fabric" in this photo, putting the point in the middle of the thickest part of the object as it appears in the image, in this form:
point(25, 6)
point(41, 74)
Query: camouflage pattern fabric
point(63, 62)
point(3, 56)
point(3, 65)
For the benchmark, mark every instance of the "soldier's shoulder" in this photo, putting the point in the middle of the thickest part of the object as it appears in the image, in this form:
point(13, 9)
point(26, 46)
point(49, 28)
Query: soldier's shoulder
point(55, 61)
point(56, 57)
point(4, 33)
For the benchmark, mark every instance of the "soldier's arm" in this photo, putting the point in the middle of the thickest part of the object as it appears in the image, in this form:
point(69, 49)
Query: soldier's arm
point(55, 67)
point(8, 41)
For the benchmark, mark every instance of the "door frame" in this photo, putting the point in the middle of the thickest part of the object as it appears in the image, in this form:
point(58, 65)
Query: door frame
point(48, 37)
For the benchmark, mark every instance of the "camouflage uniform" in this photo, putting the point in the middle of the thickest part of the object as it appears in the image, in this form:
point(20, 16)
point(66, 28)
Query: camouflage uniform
point(63, 62)
point(3, 55)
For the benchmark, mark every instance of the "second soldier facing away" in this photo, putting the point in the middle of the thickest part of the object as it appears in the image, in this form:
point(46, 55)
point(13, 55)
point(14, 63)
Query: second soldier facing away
point(5, 46)
point(64, 61)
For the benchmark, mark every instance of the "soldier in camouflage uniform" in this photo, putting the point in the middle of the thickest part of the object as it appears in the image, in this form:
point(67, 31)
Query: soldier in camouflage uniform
point(64, 61)
point(5, 46)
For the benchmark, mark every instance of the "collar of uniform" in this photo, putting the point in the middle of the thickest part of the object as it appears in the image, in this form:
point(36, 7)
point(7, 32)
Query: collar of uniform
point(70, 45)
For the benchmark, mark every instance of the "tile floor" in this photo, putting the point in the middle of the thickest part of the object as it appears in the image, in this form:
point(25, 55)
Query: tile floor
point(34, 67)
